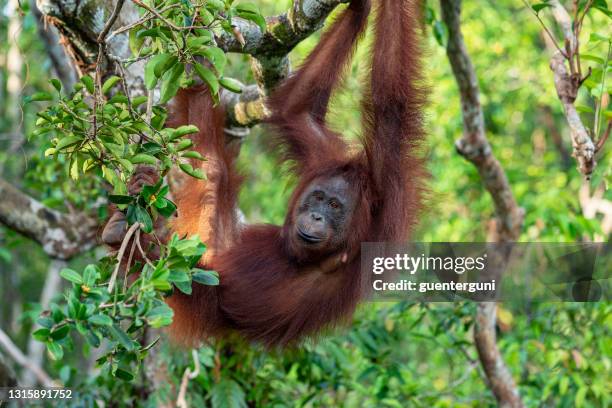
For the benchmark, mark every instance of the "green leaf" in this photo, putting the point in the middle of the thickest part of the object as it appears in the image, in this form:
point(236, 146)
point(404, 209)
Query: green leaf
point(89, 83)
point(41, 334)
point(109, 83)
point(584, 109)
point(90, 274)
point(60, 333)
point(195, 43)
point(215, 5)
point(197, 173)
point(164, 64)
point(596, 37)
point(71, 276)
point(210, 278)
point(124, 375)
point(100, 320)
point(151, 32)
point(182, 131)
point(160, 316)
point(141, 158)
point(247, 8)
point(120, 199)
point(168, 209)
point(540, 6)
point(46, 322)
point(183, 145)
point(55, 351)
point(171, 83)
point(118, 98)
point(206, 16)
point(135, 42)
point(231, 84)
point(123, 339)
point(139, 100)
point(208, 77)
point(440, 32)
point(178, 276)
point(150, 78)
point(192, 154)
point(149, 190)
point(67, 142)
point(50, 151)
point(143, 217)
point(184, 287)
point(56, 84)
point(227, 393)
point(217, 58)
point(594, 58)
point(38, 96)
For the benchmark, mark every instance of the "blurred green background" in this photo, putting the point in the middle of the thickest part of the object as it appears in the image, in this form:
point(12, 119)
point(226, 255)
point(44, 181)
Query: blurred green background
point(394, 354)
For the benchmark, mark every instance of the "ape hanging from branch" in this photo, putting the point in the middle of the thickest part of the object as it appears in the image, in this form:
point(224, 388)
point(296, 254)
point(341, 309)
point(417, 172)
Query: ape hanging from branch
point(281, 283)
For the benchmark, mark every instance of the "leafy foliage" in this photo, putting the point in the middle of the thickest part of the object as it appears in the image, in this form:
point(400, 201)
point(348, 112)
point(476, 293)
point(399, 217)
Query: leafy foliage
point(120, 316)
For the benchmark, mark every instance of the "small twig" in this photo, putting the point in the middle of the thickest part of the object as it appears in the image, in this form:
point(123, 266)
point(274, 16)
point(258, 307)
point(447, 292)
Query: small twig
point(127, 267)
point(110, 21)
point(142, 252)
point(143, 20)
point(122, 248)
point(181, 402)
point(165, 20)
point(17, 355)
point(551, 35)
point(149, 106)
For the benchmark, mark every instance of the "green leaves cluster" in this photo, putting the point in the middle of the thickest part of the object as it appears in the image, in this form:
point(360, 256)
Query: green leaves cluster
point(113, 135)
point(146, 206)
point(120, 317)
point(185, 36)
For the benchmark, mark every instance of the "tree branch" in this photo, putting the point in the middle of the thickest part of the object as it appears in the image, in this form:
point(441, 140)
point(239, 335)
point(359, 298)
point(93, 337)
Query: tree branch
point(475, 147)
point(82, 23)
point(62, 236)
point(7, 375)
point(49, 35)
point(567, 84)
point(12, 350)
point(283, 32)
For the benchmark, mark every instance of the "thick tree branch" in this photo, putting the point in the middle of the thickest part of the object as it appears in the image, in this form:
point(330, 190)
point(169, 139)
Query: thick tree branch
point(283, 32)
point(49, 35)
point(475, 147)
point(62, 236)
point(81, 23)
point(567, 83)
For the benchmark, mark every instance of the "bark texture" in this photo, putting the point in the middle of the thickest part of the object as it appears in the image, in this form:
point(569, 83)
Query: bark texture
point(567, 84)
point(62, 236)
point(475, 147)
